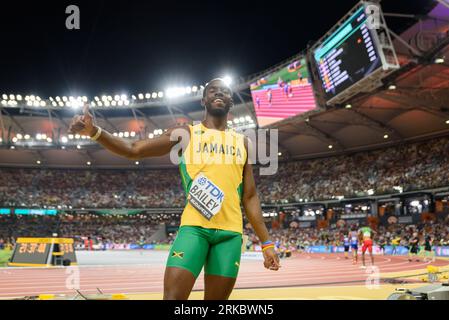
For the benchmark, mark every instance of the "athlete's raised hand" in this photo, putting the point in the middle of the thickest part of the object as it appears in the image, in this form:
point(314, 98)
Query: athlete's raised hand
point(271, 259)
point(83, 124)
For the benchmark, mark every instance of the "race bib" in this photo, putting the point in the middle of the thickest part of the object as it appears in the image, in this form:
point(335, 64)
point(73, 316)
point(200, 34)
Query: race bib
point(205, 196)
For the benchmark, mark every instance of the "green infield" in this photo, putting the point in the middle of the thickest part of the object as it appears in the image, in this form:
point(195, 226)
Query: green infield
point(4, 257)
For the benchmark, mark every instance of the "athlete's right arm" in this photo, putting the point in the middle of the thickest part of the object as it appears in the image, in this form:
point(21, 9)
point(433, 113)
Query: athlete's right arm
point(156, 147)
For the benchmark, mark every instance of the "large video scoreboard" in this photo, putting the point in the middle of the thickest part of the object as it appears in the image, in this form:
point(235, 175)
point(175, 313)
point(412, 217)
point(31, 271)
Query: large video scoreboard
point(283, 93)
point(352, 52)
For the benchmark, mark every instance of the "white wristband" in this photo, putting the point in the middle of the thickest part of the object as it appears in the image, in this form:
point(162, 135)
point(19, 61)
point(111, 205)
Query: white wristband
point(97, 135)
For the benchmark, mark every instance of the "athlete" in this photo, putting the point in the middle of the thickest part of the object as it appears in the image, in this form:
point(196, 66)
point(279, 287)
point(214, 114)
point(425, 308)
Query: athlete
point(353, 236)
point(395, 243)
point(382, 243)
point(346, 244)
point(366, 234)
point(217, 177)
point(414, 247)
point(428, 249)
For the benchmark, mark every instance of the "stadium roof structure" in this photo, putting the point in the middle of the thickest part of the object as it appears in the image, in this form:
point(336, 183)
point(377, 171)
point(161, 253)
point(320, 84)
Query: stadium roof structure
point(411, 105)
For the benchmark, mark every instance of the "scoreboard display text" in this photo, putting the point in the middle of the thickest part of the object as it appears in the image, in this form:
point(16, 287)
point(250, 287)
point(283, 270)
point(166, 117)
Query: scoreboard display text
point(42, 252)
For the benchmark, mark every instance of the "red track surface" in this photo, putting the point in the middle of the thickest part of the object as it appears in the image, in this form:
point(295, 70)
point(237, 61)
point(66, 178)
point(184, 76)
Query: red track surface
point(303, 270)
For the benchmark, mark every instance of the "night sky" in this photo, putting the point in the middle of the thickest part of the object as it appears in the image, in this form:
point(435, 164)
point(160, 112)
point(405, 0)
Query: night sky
point(139, 46)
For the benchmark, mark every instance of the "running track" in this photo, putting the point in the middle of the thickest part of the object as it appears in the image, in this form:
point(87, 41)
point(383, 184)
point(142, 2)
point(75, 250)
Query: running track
point(303, 270)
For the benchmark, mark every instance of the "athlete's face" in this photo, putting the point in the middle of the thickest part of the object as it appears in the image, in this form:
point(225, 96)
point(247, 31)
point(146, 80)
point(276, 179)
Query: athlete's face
point(217, 99)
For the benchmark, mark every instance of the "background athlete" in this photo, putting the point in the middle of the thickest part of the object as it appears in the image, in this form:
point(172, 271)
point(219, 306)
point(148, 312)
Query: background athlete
point(366, 234)
point(354, 241)
point(214, 244)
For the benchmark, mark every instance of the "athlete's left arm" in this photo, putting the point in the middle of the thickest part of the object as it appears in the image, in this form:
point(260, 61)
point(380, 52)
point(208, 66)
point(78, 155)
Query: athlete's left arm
point(251, 204)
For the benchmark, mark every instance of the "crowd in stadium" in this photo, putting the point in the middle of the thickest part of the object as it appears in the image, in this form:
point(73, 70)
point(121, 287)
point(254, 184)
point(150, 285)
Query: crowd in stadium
point(412, 167)
point(138, 229)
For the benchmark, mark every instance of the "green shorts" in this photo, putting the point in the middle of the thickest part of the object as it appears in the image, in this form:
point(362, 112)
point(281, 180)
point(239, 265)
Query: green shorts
point(219, 251)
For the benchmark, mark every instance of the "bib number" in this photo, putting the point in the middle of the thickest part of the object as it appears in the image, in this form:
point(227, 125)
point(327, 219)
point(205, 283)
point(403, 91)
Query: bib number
point(205, 196)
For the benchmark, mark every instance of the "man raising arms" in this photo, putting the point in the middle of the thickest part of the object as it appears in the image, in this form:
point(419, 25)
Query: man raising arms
point(210, 232)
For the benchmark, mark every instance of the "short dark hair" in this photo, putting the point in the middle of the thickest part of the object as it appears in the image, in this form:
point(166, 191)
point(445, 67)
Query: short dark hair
point(207, 86)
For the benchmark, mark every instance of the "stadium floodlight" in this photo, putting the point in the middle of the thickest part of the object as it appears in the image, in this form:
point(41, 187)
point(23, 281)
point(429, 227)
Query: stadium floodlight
point(140, 95)
point(64, 98)
point(160, 94)
point(391, 87)
point(38, 98)
point(151, 136)
point(19, 97)
point(439, 60)
point(43, 103)
point(133, 97)
point(236, 120)
point(114, 103)
point(77, 136)
point(88, 163)
point(44, 136)
point(104, 98)
point(54, 104)
point(229, 123)
point(126, 102)
point(330, 146)
point(64, 139)
point(4, 102)
point(71, 136)
point(14, 139)
point(248, 118)
point(116, 97)
point(83, 137)
point(154, 95)
point(36, 103)
point(147, 96)
point(348, 106)
point(107, 103)
point(126, 134)
point(132, 134)
point(38, 162)
point(188, 90)
point(61, 104)
point(447, 121)
point(115, 134)
point(58, 98)
point(227, 80)
point(385, 136)
point(12, 97)
point(12, 147)
point(242, 119)
point(120, 103)
point(49, 140)
point(137, 163)
point(84, 99)
point(120, 134)
point(19, 136)
point(124, 97)
point(29, 103)
point(38, 136)
point(99, 103)
point(96, 98)
point(27, 136)
point(279, 154)
point(93, 104)
point(32, 98)
point(109, 98)
point(78, 146)
point(194, 89)
point(5, 96)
